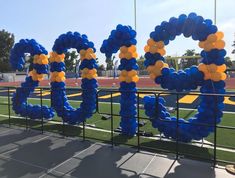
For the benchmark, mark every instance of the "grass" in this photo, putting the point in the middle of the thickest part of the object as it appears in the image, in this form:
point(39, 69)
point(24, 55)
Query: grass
point(224, 137)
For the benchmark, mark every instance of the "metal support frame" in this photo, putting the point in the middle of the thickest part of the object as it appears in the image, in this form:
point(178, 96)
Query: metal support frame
point(157, 94)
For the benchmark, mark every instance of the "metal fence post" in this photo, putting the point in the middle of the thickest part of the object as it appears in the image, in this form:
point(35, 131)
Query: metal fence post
point(177, 126)
point(26, 118)
point(112, 118)
point(63, 125)
point(83, 132)
point(42, 124)
point(215, 133)
point(138, 117)
point(9, 107)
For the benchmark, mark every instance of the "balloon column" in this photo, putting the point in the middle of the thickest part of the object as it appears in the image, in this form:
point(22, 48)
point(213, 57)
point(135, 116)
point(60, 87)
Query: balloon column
point(209, 75)
point(123, 38)
point(89, 83)
point(40, 67)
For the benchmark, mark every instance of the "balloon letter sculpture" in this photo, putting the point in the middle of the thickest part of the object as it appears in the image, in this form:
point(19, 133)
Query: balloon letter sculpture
point(209, 75)
point(40, 67)
point(123, 38)
point(89, 84)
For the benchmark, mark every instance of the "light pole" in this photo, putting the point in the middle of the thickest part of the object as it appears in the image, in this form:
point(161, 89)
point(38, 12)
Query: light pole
point(135, 14)
point(215, 11)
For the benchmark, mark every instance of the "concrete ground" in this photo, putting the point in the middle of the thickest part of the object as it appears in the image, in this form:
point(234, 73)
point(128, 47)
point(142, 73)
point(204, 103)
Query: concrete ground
point(32, 154)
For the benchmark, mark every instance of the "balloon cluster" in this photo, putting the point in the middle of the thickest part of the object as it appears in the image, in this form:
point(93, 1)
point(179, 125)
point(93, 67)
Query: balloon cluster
point(209, 75)
point(123, 38)
point(89, 84)
point(40, 67)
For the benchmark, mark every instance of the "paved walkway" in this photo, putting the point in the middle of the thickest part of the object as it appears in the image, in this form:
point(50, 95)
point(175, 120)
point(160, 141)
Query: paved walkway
point(32, 154)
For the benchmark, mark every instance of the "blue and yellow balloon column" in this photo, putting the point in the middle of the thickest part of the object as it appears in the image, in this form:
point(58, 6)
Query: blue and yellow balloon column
point(209, 75)
point(40, 67)
point(89, 73)
point(123, 38)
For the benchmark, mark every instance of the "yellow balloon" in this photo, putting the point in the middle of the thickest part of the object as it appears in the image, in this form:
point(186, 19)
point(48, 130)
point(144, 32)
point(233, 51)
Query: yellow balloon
point(221, 68)
point(153, 49)
point(207, 76)
point(152, 76)
point(219, 35)
point(146, 48)
point(212, 38)
point(132, 73)
point(128, 79)
point(134, 55)
point(150, 68)
point(52, 78)
point(61, 74)
point(132, 48)
point(151, 42)
point(220, 44)
point(212, 68)
point(128, 55)
point(82, 52)
point(208, 46)
point(94, 72)
point(89, 77)
point(55, 73)
point(160, 44)
point(121, 55)
point(135, 78)
point(202, 67)
point(45, 61)
point(90, 50)
point(93, 56)
point(159, 64)
point(121, 78)
point(84, 75)
point(124, 73)
point(157, 72)
point(216, 76)
point(201, 44)
point(123, 49)
point(223, 76)
point(165, 65)
point(161, 51)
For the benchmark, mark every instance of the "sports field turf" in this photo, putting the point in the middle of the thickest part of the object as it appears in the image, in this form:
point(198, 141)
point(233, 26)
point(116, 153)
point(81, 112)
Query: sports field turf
point(224, 137)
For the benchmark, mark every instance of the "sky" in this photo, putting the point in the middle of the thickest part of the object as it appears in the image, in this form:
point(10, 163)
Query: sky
point(45, 20)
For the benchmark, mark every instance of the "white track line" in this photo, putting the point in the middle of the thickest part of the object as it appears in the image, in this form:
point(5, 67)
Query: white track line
point(32, 165)
point(154, 156)
point(23, 162)
point(9, 151)
point(6, 131)
point(52, 169)
point(40, 139)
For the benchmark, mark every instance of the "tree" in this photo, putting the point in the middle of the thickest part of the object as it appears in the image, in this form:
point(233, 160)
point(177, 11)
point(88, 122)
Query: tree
point(233, 45)
point(191, 58)
point(140, 63)
point(228, 62)
point(171, 61)
point(101, 67)
point(6, 43)
point(109, 62)
point(70, 60)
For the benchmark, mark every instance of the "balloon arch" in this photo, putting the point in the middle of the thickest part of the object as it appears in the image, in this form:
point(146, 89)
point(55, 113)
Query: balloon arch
point(209, 75)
